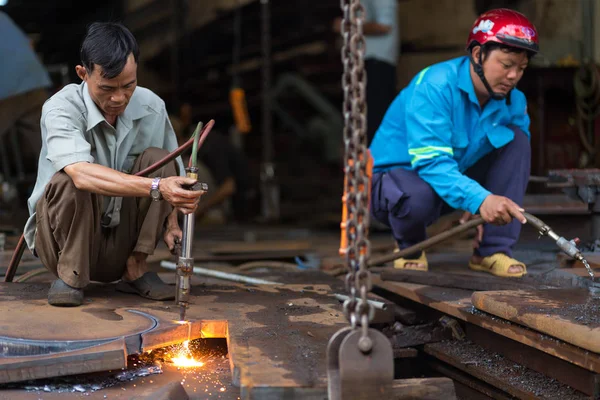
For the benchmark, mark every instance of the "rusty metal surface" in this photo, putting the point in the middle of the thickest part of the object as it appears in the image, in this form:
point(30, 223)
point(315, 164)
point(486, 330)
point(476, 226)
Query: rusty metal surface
point(76, 324)
point(542, 204)
point(502, 374)
point(110, 355)
point(467, 386)
point(424, 389)
point(572, 315)
point(457, 303)
point(460, 281)
point(576, 377)
point(574, 177)
point(276, 335)
point(204, 384)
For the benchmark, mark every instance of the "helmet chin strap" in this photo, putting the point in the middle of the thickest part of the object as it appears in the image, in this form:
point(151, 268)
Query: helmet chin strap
point(479, 71)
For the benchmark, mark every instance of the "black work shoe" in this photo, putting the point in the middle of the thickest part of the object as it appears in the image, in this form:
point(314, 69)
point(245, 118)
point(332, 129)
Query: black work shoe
point(149, 286)
point(63, 295)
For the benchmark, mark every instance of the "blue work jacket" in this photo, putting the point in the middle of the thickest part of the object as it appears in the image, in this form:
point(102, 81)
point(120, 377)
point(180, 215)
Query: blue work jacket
point(435, 126)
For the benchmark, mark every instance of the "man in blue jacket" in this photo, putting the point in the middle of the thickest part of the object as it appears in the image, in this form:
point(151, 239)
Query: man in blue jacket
point(457, 137)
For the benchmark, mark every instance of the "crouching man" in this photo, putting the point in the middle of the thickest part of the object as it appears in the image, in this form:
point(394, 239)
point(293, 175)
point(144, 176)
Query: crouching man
point(91, 219)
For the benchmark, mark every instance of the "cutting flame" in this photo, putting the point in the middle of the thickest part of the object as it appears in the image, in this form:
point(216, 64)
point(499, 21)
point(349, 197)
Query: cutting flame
point(184, 358)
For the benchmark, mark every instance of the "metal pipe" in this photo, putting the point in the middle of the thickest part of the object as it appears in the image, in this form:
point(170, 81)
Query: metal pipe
point(427, 243)
point(539, 179)
point(569, 247)
point(188, 226)
point(220, 275)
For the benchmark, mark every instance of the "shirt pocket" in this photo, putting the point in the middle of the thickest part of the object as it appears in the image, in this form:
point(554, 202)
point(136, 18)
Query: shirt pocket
point(499, 134)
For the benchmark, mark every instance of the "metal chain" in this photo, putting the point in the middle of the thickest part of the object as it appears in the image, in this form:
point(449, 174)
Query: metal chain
point(357, 183)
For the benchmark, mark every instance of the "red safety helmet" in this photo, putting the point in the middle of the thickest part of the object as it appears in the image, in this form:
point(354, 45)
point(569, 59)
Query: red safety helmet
point(504, 26)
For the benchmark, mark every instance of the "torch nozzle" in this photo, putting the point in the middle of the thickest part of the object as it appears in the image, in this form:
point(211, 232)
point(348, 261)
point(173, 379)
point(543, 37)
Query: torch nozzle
point(182, 310)
point(182, 294)
point(569, 247)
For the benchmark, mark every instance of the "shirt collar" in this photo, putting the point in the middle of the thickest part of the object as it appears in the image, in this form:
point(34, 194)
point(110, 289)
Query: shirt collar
point(94, 116)
point(134, 110)
point(465, 82)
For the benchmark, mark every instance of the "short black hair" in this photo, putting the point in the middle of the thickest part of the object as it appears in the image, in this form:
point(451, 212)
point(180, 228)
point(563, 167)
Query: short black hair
point(108, 44)
point(487, 48)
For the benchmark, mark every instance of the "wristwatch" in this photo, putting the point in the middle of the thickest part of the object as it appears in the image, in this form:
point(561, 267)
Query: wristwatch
point(154, 190)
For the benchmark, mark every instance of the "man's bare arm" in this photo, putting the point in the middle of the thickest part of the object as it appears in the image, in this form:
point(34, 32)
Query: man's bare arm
point(106, 181)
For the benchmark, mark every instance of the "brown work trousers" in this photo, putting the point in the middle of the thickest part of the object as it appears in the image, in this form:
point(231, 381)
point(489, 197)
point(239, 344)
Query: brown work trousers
point(73, 245)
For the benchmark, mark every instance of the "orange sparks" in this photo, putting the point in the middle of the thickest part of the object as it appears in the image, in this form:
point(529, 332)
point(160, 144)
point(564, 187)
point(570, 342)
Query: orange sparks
point(184, 358)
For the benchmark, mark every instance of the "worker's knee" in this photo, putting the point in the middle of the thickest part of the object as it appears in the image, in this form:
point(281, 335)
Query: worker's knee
point(63, 180)
point(416, 204)
point(421, 205)
point(152, 155)
point(521, 141)
point(61, 185)
point(402, 194)
point(62, 200)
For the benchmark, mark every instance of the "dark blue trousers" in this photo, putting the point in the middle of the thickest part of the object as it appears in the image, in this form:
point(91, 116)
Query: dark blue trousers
point(407, 204)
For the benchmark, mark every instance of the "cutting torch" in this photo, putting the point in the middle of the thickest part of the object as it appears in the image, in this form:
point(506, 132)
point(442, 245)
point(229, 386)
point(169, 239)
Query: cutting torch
point(185, 261)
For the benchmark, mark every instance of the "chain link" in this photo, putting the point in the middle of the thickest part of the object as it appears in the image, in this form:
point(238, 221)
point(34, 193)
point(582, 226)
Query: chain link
point(357, 182)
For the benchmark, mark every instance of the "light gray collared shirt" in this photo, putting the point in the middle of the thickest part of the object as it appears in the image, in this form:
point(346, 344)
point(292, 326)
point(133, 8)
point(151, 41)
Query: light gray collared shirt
point(74, 130)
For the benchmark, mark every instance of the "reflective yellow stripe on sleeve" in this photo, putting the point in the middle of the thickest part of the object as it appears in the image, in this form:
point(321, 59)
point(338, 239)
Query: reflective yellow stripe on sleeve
point(427, 152)
point(421, 75)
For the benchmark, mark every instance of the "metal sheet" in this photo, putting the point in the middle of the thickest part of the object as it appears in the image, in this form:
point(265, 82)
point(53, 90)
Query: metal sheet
point(567, 314)
point(457, 303)
point(574, 177)
point(59, 324)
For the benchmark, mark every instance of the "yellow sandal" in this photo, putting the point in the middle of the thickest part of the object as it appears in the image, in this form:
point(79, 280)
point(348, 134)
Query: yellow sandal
point(401, 263)
point(498, 264)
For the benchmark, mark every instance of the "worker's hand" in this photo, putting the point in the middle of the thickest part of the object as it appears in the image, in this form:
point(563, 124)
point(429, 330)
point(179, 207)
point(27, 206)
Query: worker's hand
point(479, 236)
point(500, 210)
point(182, 199)
point(173, 235)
